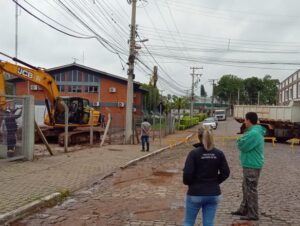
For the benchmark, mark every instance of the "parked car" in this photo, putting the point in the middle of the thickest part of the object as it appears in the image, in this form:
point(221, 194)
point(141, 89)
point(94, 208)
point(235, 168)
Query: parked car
point(211, 122)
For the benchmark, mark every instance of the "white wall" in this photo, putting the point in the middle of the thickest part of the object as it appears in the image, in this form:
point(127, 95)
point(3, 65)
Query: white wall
point(39, 114)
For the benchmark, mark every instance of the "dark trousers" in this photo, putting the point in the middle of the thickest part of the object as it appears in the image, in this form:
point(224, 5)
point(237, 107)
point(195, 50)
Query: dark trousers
point(249, 205)
point(145, 140)
point(11, 139)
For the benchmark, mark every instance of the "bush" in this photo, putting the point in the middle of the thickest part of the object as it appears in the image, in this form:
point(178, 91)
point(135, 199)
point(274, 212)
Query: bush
point(201, 117)
point(187, 122)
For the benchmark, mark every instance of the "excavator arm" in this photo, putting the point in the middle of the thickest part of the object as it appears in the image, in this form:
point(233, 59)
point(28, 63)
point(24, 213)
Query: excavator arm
point(2, 92)
point(36, 76)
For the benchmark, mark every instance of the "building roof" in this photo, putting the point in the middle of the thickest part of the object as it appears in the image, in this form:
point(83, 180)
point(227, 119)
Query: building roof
point(89, 69)
point(297, 71)
point(79, 66)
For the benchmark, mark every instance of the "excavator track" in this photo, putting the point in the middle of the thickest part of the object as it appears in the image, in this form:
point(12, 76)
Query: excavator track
point(80, 136)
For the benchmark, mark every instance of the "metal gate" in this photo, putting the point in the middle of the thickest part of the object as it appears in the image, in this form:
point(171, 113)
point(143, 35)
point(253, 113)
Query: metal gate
point(16, 127)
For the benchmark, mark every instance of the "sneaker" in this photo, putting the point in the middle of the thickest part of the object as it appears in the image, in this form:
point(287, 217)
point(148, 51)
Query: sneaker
point(239, 213)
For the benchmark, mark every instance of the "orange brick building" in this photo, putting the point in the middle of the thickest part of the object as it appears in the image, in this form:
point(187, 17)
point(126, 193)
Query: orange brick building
point(100, 88)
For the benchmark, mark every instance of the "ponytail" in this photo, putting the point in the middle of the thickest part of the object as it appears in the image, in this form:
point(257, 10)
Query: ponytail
point(207, 139)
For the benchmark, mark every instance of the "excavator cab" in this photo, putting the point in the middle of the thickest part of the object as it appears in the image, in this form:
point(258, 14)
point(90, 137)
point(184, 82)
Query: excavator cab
point(79, 112)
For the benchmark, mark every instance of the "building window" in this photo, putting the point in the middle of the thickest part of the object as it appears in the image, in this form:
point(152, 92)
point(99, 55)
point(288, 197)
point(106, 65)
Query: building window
point(90, 78)
point(91, 89)
point(60, 77)
point(75, 76)
point(68, 77)
point(85, 77)
point(298, 89)
point(96, 79)
point(291, 94)
point(74, 89)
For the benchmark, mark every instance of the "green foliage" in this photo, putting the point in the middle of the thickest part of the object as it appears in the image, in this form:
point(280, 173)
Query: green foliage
point(270, 90)
point(227, 88)
point(249, 90)
point(200, 116)
point(151, 99)
point(179, 103)
point(187, 122)
point(168, 107)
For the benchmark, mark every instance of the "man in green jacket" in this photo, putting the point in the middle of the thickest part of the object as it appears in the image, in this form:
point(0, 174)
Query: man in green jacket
point(251, 147)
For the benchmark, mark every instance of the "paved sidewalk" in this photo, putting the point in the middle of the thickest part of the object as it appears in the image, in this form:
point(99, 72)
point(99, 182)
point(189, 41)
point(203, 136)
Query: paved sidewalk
point(24, 182)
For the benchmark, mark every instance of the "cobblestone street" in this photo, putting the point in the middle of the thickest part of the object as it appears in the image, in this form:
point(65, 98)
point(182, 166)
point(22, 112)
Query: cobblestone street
point(151, 193)
point(25, 182)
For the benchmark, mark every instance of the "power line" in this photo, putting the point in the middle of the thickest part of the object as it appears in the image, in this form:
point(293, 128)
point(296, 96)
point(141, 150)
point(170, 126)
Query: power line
point(57, 29)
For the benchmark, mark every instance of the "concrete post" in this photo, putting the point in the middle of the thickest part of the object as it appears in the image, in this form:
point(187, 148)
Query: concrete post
point(28, 127)
point(130, 73)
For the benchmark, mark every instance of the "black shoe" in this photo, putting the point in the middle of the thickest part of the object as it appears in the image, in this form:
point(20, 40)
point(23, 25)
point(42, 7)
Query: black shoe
point(143, 150)
point(239, 213)
point(249, 218)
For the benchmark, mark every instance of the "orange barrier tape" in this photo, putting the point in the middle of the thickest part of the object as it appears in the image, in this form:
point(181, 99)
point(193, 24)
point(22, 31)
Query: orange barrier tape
point(172, 142)
point(225, 138)
point(293, 141)
point(273, 139)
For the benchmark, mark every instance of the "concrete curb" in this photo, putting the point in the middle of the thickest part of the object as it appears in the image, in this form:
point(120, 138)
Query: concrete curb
point(54, 198)
point(14, 215)
point(132, 162)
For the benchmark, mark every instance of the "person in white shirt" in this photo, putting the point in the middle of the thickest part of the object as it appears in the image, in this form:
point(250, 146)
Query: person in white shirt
point(145, 132)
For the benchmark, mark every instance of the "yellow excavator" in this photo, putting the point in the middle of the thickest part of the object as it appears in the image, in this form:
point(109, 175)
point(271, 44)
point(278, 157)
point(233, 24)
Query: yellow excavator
point(81, 115)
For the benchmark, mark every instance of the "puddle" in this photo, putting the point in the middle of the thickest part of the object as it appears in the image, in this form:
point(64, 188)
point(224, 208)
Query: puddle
point(166, 173)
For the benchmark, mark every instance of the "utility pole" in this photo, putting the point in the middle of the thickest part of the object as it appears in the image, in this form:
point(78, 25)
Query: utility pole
point(213, 95)
point(130, 73)
point(193, 85)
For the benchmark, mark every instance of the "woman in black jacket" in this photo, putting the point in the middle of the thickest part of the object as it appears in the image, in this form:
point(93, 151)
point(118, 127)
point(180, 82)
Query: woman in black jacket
point(205, 169)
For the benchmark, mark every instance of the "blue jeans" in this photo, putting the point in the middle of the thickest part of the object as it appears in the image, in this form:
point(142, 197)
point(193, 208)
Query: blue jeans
point(209, 206)
point(145, 140)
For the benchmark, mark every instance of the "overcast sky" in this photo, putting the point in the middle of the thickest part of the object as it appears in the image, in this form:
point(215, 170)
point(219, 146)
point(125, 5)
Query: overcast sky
point(224, 37)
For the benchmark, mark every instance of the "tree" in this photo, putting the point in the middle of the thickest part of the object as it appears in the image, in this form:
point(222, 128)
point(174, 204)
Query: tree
point(202, 91)
point(228, 87)
point(179, 103)
point(249, 90)
point(270, 90)
point(151, 99)
point(253, 86)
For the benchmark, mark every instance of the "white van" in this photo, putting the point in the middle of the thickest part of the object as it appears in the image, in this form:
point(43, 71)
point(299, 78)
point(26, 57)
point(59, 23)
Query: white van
point(220, 114)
